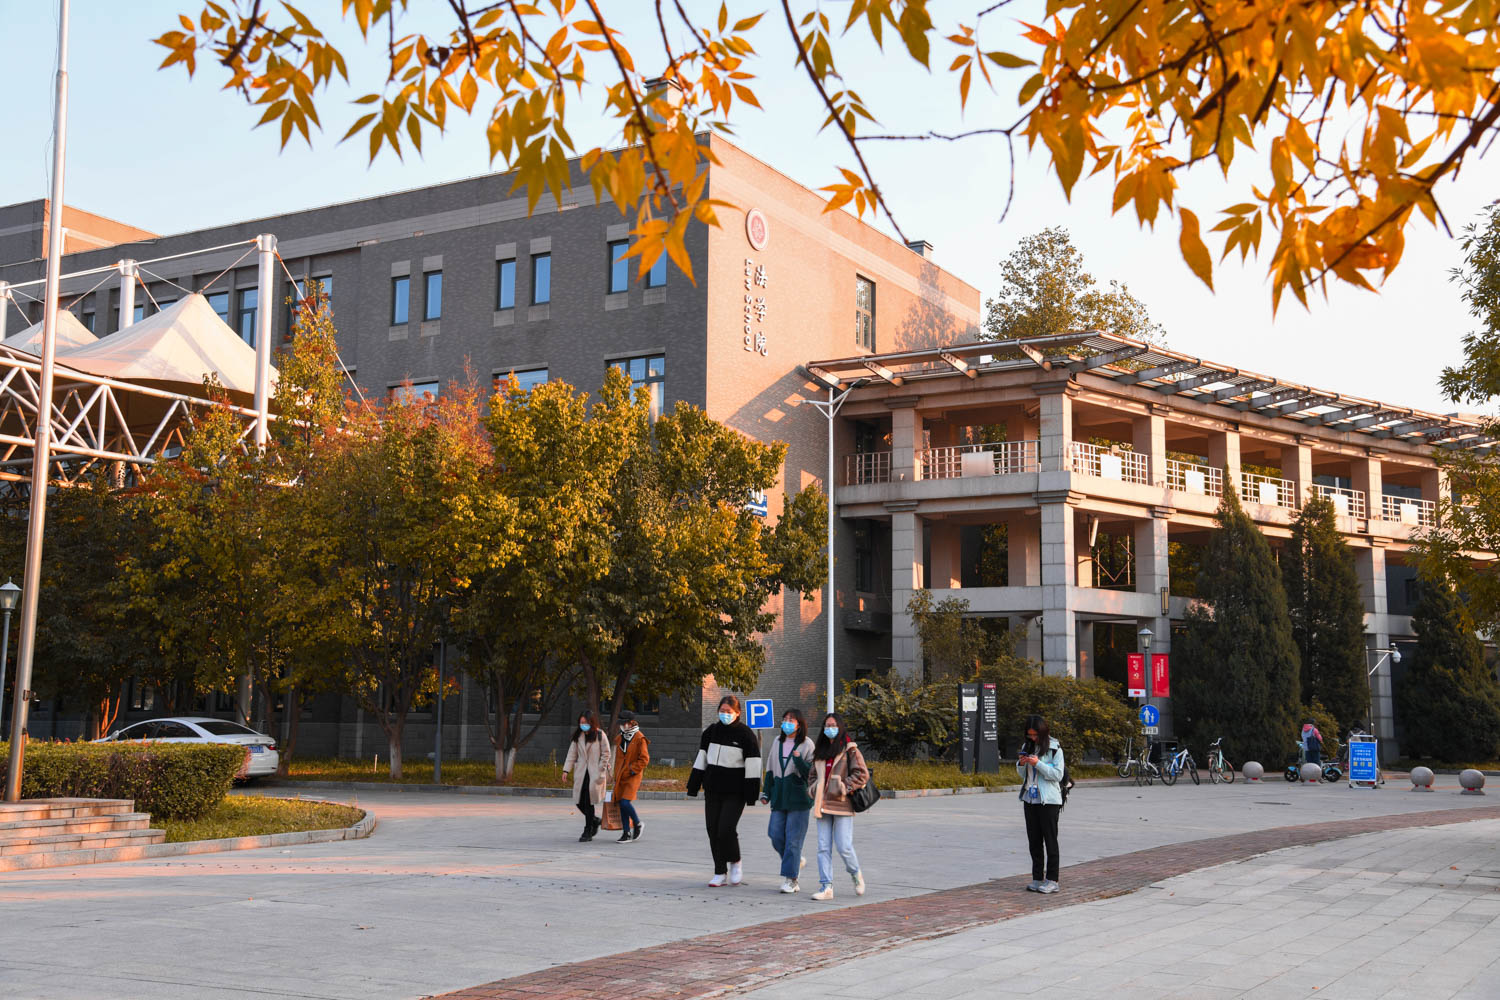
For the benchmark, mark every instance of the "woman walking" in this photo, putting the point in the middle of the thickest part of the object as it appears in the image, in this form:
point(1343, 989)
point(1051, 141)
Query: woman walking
point(785, 788)
point(1312, 743)
point(728, 771)
point(588, 761)
point(840, 771)
point(1041, 768)
point(632, 754)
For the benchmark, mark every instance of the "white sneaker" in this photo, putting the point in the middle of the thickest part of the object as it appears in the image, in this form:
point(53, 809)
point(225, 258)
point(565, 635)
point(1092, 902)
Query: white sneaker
point(1048, 886)
point(736, 874)
point(823, 894)
point(716, 882)
point(859, 884)
point(789, 885)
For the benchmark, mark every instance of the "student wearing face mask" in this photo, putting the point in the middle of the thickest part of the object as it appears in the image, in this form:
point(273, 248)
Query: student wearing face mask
point(840, 770)
point(588, 761)
point(785, 789)
point(632, 754)
point(728, 771)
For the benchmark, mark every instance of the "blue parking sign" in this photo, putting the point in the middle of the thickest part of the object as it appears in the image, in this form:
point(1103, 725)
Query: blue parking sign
point(759, 713)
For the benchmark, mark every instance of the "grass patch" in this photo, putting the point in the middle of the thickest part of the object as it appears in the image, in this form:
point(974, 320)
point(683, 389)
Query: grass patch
point(901, 775)
point(255, 815)
point(1406, 764)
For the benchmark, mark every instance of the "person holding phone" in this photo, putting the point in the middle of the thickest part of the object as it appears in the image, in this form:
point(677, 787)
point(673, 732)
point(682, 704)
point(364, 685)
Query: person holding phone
point(1040, 765)
point(785, 789)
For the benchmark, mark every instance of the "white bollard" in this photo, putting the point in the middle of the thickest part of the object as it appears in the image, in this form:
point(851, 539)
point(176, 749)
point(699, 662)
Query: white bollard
point(1473, 782)
point(1421, 779)
point(1253, 771)
point(1311, 773)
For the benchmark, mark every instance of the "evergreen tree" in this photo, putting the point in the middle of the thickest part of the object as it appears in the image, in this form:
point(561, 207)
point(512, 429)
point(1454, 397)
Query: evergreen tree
point(1239, 673)
point(1448, 701)
point(1328, 615)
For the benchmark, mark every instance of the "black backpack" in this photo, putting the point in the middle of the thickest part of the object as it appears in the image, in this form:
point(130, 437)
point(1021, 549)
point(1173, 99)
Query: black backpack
point(1067, 781)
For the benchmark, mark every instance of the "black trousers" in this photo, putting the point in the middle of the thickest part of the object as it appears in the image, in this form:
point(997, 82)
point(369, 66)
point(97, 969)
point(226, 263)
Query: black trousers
point(1041, 831)
point(586, 802)
point(721, 814)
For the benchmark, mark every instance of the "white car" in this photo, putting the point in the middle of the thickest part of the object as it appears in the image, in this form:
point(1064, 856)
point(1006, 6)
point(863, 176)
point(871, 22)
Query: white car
point(263, 756)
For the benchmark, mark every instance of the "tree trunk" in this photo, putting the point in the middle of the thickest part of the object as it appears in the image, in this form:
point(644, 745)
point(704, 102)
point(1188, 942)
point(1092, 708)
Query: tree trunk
point(505, 765)
point(291, 716)
point(393, 745)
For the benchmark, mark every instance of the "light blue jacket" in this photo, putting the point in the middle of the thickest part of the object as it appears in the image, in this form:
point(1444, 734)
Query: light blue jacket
point(1049, 774)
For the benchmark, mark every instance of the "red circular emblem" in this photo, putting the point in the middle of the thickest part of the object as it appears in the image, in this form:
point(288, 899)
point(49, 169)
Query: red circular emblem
point(757, 231)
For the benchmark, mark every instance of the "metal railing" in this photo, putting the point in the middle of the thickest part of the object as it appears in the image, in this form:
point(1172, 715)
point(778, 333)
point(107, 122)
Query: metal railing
point(1004, 458)
point(1187, 477)
point(1102, 463)
point(1270, 491)
point(867, 467)
point(1348, 503)
point(1408, 510)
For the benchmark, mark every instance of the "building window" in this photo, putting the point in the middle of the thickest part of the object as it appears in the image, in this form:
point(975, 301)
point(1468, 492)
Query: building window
point(864, 557)
point(541, 279)
point(400, 300)
point(657, 276)
point(298, 294)
point(219, 302)
point(140, 312)
point(527, 378)
point(864, 313)
point(505, 283)
point(432, 300)
point(619, 266)
point(414, 391)
point(165, 304)
point(88, 321)
point(249, 299)
point(649, 371)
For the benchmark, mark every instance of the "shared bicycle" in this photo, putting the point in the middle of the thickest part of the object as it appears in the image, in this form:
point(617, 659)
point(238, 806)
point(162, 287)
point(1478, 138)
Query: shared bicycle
point(1219, 768)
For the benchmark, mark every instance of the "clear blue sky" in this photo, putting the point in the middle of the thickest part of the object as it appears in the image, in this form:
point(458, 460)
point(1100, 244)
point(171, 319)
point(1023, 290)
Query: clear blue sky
point(148, 148)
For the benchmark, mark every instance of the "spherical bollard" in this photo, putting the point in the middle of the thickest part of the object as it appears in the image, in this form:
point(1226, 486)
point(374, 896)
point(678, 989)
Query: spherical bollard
point(1421, 779)
point(1311, 773)
point(1253, 770)
point(1473, 782)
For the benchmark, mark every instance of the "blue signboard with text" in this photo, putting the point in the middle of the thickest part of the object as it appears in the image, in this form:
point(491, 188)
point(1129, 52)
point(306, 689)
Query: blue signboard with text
point(1364, 761)
point(759, 713)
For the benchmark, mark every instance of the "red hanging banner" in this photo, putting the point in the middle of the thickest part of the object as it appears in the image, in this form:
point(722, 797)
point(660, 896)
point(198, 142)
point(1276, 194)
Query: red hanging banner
point(1135, 672)
point(1161, 676)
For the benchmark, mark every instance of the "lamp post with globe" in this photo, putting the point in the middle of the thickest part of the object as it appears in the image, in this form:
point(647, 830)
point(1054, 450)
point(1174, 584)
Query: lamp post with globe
point(10, 596)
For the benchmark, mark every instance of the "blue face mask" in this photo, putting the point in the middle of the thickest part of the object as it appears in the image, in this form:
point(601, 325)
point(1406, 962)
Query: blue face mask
point(830, 731)
point(584, 727)
point(726, 717)
point(789, 728)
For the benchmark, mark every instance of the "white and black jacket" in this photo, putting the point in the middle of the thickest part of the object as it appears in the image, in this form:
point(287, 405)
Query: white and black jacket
point(728, 762)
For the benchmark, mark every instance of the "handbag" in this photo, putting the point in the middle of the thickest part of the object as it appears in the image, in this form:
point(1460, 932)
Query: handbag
point(612, 815)
point(866, 795)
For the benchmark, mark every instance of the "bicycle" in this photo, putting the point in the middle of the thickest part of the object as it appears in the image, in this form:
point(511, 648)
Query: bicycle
point(1125, 765)
point(1181, 761)
point(1219, 768)
point(1330, 771)
point(1145, 771)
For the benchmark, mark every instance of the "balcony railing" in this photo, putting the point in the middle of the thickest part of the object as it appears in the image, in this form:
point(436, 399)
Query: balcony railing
point(1126, 466)
point(1185, 477)
point(1270, 491)
point(867, 467)
point(1408, 510)
point(1348, 503)
point(997, 458)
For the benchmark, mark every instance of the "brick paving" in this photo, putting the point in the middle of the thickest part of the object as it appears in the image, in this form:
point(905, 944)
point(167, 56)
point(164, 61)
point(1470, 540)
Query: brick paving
point(751, 957)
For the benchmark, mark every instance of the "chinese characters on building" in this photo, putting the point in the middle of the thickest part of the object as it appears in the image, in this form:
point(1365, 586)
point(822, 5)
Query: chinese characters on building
point(755, 306)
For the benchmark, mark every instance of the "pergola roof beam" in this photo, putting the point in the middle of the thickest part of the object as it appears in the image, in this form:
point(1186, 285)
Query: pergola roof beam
point(1243, 389)
point(1160, 371)
point(1337, 416)
point(880, 371)
point(1107, 358)
point(1035, 355)
point(958, 364)
point(1192, 383)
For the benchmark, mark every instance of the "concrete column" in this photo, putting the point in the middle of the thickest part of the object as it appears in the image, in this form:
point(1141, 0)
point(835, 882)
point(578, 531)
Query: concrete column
point(127, 293)
point(1224, 453)
point(1367, 477)
point(946, 540)
point(1296, 465)
point(1020, 427)
point(906, 438)
point(1059, 638)
point(1435, 485)
point(906, 572)
point(1023, 551)
point(1370, 564)
point(1149, 438)
point(1055, 425)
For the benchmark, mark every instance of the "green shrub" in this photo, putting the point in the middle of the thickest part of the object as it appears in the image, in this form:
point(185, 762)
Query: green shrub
point(899, 719)
point(176, 780)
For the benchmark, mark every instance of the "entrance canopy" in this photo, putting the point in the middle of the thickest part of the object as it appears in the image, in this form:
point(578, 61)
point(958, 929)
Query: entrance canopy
point(70, 334)
point(175, 348)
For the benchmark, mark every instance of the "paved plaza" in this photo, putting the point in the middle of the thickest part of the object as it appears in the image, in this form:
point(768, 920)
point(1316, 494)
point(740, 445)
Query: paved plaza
point(454, 891)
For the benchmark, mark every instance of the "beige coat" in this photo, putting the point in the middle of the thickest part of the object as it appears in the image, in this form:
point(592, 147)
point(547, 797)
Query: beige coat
point(592, 758)
point(849, 774)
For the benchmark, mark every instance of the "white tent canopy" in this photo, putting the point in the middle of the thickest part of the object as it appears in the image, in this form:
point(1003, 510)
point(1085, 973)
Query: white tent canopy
point(70, 334)
point(177, 346)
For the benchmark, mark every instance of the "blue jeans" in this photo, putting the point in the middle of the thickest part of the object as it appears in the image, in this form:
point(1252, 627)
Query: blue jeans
point(835, 833)
point(787, 831)
point(628, 816)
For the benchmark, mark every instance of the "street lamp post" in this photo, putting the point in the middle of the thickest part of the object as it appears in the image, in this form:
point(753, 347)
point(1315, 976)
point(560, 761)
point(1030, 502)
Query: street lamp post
point(10, 595)
point(1394, 655)
point(830, 409)
point(1144, 635)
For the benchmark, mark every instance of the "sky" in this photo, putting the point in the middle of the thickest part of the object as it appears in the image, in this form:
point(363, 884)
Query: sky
point(152, 149)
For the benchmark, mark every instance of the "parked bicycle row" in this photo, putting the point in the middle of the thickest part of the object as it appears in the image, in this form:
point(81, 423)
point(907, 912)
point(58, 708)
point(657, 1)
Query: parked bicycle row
point(1165, 762)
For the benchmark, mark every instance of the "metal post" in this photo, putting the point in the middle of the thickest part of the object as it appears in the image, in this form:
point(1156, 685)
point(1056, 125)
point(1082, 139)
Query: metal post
point(831, 624)
point(4, 307)
point(4, 661)
point(31, 584)
point(266, 247)
point(437, 754)
point(127, 292)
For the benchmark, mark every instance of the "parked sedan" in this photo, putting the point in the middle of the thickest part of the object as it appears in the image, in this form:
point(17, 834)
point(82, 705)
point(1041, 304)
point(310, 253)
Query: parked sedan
point(263, 756)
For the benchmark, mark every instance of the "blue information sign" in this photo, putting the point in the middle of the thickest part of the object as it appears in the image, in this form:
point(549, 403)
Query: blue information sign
point(759, 713)
point(1364, 764)
point(1150, 715)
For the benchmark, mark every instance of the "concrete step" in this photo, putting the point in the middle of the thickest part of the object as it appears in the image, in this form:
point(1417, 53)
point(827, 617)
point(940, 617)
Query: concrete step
point(89, 855)
point(24, 828)
point(28, 809)
point(79, 841)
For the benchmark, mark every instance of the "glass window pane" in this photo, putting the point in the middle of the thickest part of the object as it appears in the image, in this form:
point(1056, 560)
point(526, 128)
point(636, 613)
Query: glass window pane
point(541, 279)
point(657, 276)
point(220, 303)
point(88, 322)
point(619, 266)
point(637, 370)
point(221, 727)
point(415, 391)
point(140, 311)
point(433, 304)
point(657, 366)
point(400, 300)
point(249, 303)
point(507, 282)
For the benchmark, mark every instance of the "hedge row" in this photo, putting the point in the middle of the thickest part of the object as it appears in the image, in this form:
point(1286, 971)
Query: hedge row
point(167, 780)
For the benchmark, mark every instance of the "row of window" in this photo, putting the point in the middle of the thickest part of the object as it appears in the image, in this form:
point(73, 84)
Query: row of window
point(648, 371)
